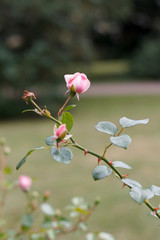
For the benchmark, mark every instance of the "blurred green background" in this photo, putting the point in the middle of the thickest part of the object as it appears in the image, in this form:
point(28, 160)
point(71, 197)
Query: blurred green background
point(41, 40)
point(110, 41)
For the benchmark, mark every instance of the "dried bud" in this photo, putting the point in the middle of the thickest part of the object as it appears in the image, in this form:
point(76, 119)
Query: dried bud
point(27, 96)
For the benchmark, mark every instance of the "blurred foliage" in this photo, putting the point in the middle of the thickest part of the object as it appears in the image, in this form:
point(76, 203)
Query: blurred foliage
point(37, 36)
point(145, 62)
point(118, 36)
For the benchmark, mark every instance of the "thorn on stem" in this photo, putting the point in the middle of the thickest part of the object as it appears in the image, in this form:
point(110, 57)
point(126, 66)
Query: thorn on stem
point(85, 152)
point(99, 159)
point(124, 176)
point(157, 208)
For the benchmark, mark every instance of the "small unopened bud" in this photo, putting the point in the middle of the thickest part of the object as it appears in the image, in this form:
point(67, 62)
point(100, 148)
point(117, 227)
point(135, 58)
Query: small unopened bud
point(97, 201)
point(6, 150)
point(35, 194)
point(46, 195)
point(61, 131)
point(58, 212)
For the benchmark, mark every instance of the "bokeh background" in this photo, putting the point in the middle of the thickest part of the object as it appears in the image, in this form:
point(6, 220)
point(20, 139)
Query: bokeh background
point(41, 40)
point(112, 42)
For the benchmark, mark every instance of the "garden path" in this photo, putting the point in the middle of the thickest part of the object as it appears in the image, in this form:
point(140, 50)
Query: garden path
point(123, 88)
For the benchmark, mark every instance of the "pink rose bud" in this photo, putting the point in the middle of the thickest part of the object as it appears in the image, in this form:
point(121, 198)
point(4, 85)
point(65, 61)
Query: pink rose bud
point(77, 82)
point(61, 131)
point(46, 195)
point(25, 182)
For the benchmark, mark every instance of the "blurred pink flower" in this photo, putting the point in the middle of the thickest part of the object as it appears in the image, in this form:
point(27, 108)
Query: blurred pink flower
point(77, 82)
point(25, 182)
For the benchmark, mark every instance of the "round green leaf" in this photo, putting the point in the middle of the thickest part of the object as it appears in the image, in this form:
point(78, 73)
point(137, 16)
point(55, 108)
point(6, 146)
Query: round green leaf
point(27, 221)
point(126, 122)
point(100, 172)
point(121, 164)
point(68, 120)
point(106, 127)
point(121, 141)
point(62, 155)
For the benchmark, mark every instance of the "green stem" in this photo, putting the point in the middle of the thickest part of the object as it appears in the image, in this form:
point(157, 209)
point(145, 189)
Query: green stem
point(149, 205)
point(44, 114)
point(61, 109)
point(98, 156)
point(35, 104)
point(105, 150)
point(120, 131)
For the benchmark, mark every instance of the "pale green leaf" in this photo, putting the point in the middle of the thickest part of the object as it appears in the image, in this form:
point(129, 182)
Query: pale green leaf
point(126, 122)
point(155, 189)
point(47, 209)
point(27, 221)
point(100, 172)
point(105, 236)
point(131, 183)
point(121, 164)
point(121, 141)
point(49, 140)
point(62, 155)
point(69, 107)
point(106, 127)
point(25, 157)
point(140, 195)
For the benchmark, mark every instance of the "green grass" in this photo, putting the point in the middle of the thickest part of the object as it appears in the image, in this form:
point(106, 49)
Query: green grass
point(117, 213)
